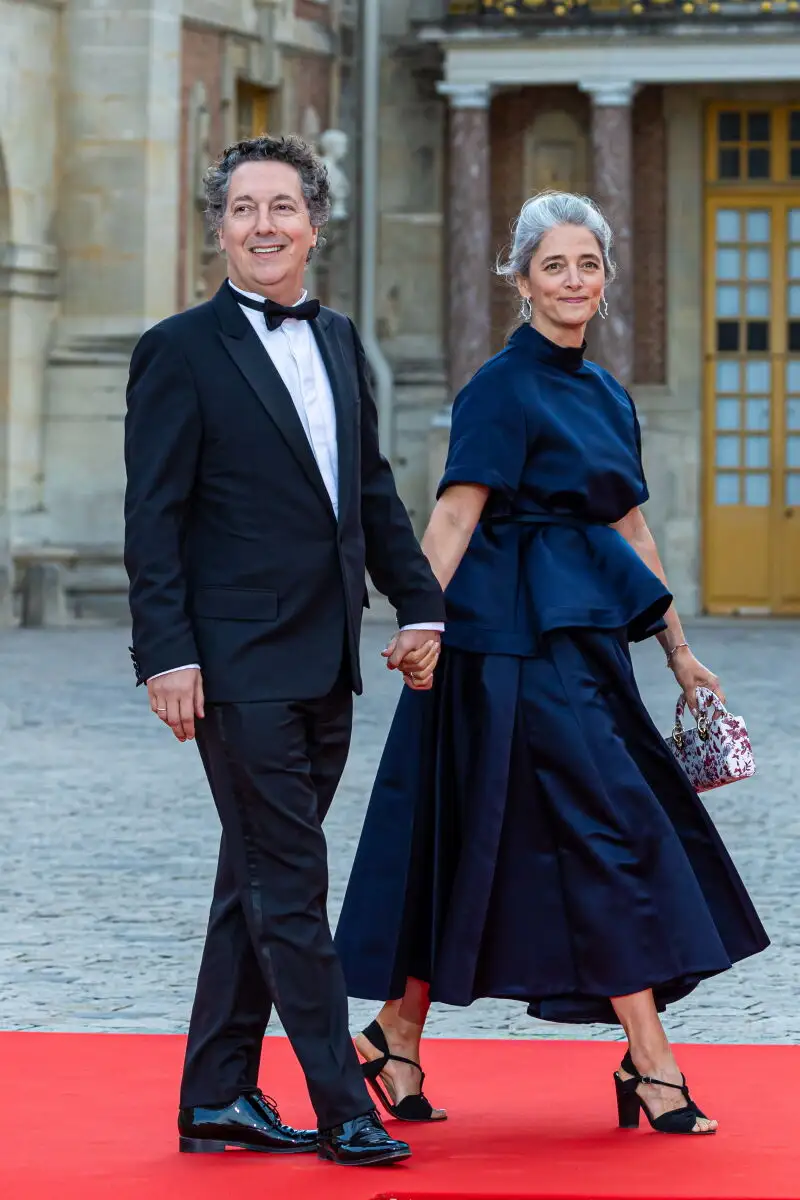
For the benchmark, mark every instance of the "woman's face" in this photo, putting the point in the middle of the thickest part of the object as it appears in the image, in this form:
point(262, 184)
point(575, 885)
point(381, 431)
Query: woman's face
point(566, 277)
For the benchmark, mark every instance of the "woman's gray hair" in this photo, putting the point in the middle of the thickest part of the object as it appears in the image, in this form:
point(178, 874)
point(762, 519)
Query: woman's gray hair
point(291, 150)
point(544, 212)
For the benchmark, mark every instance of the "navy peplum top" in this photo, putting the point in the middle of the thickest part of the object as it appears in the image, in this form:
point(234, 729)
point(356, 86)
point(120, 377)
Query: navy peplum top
point(557, 440)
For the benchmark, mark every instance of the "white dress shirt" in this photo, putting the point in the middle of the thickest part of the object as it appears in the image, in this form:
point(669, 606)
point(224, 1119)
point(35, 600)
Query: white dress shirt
point(296, 357)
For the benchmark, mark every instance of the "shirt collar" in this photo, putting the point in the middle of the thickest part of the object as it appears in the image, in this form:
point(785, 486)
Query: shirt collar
point(255, 295)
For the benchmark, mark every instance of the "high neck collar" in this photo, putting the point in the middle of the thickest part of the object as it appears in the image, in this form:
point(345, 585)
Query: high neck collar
point(569, 358)
point(256, 296)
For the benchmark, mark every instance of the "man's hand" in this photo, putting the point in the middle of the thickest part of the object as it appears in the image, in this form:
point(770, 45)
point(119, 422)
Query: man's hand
point(177, 698)
point(415, 652)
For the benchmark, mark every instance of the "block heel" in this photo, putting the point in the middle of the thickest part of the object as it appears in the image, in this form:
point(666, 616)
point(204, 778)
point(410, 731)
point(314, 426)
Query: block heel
point(628, 1109)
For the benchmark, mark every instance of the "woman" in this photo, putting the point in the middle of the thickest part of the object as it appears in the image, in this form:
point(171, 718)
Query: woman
point(530, 835)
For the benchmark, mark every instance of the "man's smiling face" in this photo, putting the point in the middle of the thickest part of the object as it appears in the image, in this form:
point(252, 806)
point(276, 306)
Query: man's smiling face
point(266, 231)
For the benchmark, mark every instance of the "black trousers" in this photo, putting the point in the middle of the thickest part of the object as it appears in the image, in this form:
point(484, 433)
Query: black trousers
point(273, 768)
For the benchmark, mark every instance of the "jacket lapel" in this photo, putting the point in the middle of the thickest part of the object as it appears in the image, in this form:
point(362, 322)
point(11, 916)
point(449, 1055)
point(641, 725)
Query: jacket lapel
point(241, 342)
point(330, 349)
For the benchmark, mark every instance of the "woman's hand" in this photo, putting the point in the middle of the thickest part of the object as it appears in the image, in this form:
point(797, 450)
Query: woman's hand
point(691, 674)
point(417, 665)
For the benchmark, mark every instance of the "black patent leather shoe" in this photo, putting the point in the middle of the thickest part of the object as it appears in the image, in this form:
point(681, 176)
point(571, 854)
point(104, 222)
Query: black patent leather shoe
point(362, 1142)
point(250, 1123)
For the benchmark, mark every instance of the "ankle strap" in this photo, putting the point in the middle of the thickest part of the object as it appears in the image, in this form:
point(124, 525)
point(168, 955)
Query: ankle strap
point(630, 1068)
point(681, 1087)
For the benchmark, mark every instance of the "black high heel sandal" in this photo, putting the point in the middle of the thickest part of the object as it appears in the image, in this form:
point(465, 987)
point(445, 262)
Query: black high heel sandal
point(410, 1108)
point(630, 1104)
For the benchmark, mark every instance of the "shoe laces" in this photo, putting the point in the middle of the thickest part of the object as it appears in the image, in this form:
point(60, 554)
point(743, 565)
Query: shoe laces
point(267, 1101)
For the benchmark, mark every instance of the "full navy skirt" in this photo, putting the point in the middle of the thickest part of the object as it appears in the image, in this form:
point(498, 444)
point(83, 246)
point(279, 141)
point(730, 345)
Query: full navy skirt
point(531, 837)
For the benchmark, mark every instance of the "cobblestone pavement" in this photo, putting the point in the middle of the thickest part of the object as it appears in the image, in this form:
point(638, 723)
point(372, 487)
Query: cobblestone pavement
point(110, 837)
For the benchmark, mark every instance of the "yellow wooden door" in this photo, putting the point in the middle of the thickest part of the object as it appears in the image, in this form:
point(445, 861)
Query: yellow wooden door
point(751, 477)
point(788, 505)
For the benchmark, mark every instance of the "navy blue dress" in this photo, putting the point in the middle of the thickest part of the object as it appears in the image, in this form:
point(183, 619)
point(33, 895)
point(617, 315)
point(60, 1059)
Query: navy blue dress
point(529, 835)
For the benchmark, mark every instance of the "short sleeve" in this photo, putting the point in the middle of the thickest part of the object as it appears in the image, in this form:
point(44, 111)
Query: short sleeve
point(644, 493)
point(488, 438)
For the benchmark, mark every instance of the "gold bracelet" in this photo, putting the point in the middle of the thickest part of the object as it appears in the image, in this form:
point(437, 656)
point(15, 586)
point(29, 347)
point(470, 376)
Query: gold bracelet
point(674, 650)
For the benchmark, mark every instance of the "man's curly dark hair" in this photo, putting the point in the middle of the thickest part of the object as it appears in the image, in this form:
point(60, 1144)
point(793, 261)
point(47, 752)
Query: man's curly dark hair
point(293, 151)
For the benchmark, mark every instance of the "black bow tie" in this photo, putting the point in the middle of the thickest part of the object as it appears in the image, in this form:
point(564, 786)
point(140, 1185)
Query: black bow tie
point(275, 314)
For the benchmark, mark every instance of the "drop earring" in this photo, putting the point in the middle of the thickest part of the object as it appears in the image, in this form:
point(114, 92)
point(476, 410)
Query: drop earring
point(527, 309)
point(602, 307)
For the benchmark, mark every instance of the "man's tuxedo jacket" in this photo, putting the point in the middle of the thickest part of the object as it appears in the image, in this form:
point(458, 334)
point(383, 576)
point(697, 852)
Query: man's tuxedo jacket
point(235, 557)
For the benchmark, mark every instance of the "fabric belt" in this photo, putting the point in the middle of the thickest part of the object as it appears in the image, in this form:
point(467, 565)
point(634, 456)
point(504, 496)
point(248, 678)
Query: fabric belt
point(540, 518)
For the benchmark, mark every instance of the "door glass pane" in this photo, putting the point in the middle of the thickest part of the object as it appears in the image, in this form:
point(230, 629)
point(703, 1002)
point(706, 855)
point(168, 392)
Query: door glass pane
point(793, 414)
point(758, 301)
point(758, 126)
point(792, 489)
point(758, 163)
point(757, 375)
point(728, 301)
point(729, 264)
point(756, 452)
point(727, 414)
point(728, 376)
point(758, 226)
point(727, 335)
point(757, 415)
point(727, 451)
point(757, 264)
point(730, 127)
point(729, 163)
point(794, 262)
point(756, 491)
point(729, 225)
point(726, 489)
point(793, 375)
point(794, 224)
point(794, 300)
point(792, 451)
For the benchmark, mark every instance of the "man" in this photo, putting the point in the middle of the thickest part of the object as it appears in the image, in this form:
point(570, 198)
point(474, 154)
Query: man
point(256, 498)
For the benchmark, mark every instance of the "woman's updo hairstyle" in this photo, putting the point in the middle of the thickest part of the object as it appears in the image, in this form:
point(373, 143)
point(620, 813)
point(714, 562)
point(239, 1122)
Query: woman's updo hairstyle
point(544, 212)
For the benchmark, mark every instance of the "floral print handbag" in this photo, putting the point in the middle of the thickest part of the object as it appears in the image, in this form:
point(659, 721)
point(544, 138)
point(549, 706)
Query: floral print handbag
point(718, 751)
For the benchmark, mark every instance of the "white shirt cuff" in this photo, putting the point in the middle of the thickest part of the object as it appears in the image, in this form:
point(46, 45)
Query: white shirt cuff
point(434, 626)
point(171, 671)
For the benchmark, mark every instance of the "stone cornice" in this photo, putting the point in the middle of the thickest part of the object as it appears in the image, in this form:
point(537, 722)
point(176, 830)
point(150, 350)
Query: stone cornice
point(597, 60)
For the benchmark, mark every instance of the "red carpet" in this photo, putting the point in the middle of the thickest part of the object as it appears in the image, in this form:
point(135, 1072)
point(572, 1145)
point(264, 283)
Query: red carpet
point(90, 1117)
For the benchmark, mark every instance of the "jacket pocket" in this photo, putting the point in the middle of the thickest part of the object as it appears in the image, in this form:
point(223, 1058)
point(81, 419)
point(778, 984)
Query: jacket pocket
point(235, 604)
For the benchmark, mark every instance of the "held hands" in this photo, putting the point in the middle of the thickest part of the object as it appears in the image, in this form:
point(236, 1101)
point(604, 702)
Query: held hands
point(177, 698)
point(415, 652)
point(690, 675)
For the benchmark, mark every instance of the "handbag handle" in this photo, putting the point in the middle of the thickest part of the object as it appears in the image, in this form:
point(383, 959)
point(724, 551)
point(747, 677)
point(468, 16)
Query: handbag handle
point(707, 701)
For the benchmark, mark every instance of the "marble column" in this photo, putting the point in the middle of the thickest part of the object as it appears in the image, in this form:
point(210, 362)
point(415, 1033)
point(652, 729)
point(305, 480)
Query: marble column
point(118, 233)
point(612, 152)
point(468, 232)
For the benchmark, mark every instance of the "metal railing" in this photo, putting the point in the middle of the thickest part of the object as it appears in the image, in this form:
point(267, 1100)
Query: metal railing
point(600, 10)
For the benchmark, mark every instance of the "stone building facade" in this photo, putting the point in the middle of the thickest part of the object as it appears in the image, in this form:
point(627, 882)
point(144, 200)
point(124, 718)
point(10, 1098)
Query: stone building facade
point(685, 125)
